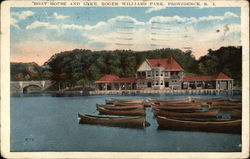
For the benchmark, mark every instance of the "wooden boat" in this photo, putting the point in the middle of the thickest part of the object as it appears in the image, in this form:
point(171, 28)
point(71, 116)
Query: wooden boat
point(235, 113)
point(235, 100)
point(156, 101)
point(230, 126)
point(226, 103)
point(225, 106)
point(133, 112)
point(126, 101)
point(147, 104)
point(136, 121)
point(126, 104)
point(208, 99)
point(178, 107)
point(177, 104)
point(129, 107)
point(195, 114)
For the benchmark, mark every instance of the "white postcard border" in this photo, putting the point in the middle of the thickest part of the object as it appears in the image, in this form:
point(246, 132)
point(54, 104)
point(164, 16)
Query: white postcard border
point(5, 95)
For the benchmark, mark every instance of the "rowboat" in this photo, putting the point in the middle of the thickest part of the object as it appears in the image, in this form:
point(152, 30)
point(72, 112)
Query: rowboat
point(126, 101)
point(147, 104)
point(225, 106)
point(177, 104)
point(129, 107)
point(136, 121)
point(133, 112)
point(208, 99)
point(226, 103)
point(195, 114)
point(156, 101)
point(235, 100)
point(236, 113)
point(179, 107)
point(230, 126)
point(126, 104)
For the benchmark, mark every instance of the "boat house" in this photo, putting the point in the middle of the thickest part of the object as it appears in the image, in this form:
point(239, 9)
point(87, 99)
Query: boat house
point(163, 74)
point(114, 82)
point(218, 81)
point(159, 74)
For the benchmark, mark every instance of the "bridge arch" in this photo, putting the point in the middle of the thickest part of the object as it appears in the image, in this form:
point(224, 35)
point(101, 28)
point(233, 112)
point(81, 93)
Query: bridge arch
point(25, 88)
point(21, 86)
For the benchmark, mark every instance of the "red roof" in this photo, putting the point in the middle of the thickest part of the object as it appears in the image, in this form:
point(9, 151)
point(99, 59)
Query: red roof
point(115, 78)
point(197, 78)
point(219, 76)
point(168, 63)
point(127, 79)
point(222, 76)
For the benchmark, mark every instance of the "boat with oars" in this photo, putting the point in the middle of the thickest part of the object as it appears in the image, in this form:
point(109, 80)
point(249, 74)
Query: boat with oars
point(128, 122)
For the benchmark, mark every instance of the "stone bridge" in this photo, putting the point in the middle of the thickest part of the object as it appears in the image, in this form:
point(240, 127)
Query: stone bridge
point(20, 86)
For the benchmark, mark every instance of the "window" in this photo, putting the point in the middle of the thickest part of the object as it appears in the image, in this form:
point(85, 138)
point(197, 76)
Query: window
point(156, 73)
point(156, 83)
point(143, 74)
point(149, 74)
point(166, 84)
point(149, 84)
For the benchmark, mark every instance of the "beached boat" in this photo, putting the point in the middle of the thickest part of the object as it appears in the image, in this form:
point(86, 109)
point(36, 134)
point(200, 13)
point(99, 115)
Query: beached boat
point(177, 107)
point(133, 112)
point(125, 101)
point(230, 126)
point(128, 107)
point(156, 101)
point(136, 121)
point(195, 114)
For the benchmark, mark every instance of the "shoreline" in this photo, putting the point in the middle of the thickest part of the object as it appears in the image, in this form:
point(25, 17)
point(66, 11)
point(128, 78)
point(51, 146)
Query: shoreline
point(134, 92)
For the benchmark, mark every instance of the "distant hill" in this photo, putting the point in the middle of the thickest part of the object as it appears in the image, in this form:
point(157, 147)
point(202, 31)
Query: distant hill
point(81, 67)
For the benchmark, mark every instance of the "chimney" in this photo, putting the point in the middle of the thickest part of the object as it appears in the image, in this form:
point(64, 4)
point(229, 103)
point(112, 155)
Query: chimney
point(170, 59)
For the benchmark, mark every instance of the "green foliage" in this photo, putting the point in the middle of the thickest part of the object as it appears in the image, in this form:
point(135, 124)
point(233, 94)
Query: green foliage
point(226, 59)
point(82, 67)
point(25, 71)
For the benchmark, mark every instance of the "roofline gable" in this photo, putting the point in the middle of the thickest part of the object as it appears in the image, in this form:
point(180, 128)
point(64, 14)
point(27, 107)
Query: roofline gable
point(143, 62)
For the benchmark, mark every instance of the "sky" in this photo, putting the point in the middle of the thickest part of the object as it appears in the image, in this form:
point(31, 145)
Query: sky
point(39, 32)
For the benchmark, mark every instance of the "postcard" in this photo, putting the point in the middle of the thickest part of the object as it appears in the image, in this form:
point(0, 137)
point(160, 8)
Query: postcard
point(125, 79)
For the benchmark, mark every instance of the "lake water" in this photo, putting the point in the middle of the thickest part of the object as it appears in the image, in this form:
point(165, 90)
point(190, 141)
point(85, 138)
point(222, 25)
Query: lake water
point(44, 123)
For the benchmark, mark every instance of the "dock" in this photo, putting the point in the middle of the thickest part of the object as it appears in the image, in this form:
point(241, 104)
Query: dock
point(169, 91)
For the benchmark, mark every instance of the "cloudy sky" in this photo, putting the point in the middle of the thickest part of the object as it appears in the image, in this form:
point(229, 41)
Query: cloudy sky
point(38, 33)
